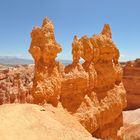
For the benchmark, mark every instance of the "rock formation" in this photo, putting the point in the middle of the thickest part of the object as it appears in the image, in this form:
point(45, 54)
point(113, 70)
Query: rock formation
point(15, 84)
point(131, 81)
point(131, 127)
point(44, 49)
point(33, 122)
point(93, 91)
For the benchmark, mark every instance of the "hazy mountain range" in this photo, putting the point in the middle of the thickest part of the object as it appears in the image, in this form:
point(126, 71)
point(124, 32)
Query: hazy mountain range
point(13, 60)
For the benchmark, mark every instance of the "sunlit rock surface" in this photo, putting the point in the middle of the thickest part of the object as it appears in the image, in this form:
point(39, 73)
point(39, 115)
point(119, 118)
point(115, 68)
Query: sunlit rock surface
point(93, 91)
point(131, 126)
point(33, 122)
point(131, 81)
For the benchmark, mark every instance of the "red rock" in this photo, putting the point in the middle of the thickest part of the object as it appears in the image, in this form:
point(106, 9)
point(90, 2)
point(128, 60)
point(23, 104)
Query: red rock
point(131, 80)
point(16, 84)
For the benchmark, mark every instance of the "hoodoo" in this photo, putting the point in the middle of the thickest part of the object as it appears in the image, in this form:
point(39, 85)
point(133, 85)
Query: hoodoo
point(93, 91)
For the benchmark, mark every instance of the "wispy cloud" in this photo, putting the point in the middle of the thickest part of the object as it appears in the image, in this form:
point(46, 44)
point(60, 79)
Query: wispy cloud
point(13, 55)
point(122, 55)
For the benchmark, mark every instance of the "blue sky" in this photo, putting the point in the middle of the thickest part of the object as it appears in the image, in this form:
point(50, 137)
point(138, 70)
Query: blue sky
point(70, 17)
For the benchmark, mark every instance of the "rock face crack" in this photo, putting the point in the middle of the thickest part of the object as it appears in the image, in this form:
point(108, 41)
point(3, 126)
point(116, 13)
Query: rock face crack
point(93, 91)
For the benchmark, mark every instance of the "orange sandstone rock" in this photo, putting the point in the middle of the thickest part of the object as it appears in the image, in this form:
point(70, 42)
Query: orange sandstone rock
point(76, 50)
point(131, 80)
point(33, 122)
point(131, 125)
point(44, 49)
point(93, 91)
point(107, 31)
point(15, 84)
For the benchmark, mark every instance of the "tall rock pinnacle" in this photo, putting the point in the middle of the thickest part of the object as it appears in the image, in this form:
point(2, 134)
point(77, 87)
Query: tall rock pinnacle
point(107, 31)
point(93, 91)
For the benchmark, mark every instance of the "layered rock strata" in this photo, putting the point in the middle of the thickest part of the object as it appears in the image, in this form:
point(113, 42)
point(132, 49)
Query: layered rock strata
point(93, 91)
point(131, 81)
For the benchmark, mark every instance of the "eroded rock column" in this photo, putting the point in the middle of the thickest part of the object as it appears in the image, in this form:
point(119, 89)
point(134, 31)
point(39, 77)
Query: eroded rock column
point(93, 91)
point(44, 50)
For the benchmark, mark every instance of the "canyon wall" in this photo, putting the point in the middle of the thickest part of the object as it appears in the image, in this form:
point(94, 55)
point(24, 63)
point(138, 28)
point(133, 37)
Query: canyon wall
point(131, 81)
point(93, 91)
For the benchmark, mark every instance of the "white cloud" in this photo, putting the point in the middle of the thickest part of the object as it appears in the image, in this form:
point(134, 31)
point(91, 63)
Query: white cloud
point(122, 55)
